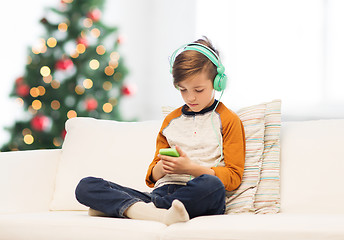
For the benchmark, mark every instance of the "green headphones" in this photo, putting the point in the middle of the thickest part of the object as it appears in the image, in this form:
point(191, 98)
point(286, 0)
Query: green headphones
point(220, 80)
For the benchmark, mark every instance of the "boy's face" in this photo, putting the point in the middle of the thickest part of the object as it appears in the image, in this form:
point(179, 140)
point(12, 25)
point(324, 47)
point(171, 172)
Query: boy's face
point(197, 92)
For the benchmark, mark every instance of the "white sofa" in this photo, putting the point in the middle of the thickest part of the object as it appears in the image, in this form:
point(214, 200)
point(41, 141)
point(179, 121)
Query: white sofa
point(37, 200)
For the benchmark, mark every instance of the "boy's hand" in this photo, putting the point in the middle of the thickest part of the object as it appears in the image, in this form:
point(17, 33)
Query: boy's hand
point(176, 165)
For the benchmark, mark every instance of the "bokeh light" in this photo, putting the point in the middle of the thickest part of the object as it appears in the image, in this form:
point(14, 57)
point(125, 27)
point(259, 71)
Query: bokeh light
point(45, 71)
point(100, 49)
point(51, 42)
point(107, 85)
point(109, 70)
point(115, 56)
point(71, 114)
point(80, 48)
point(55, 105)
point(28, 139)
point(41, 90)
point(95, 32)
point(36, 104)
point(34, 92)
point(79, 89)
point(94, 64)
point(88, 83)
point(107, 107)
point(88, 22)
point(113, 101)
point(57, 141)
point(117, 76)
point(48, 79)
point(62, 27)
point(55, 84)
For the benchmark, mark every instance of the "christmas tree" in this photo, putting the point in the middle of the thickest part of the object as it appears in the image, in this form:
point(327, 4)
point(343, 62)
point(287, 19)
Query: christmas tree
point(74, 71)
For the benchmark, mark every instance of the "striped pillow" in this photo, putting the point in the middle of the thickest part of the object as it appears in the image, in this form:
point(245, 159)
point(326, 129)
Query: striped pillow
point(242, 199)
point(260, 123)
point(267, 198)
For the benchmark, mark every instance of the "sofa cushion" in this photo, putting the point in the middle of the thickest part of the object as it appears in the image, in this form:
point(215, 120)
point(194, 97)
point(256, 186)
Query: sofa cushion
point(312, 166)
point(106, 149)
point(260, 227)
point(70, 225)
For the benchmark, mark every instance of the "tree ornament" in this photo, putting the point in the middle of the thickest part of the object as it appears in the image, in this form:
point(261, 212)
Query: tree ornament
point(22, 90)
point(129, 89)
point(95, 15)
point(91, 104)
point(64, 64)
point(63, 134)
point(44, 20)
point(40, 123)
point(120, 39)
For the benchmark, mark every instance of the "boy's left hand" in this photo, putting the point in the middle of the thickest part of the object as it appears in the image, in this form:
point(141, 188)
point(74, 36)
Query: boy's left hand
point(177, 165)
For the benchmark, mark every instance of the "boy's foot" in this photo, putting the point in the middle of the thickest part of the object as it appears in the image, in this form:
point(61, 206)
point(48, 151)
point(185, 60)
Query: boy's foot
point(176, 213)
point(96, 213)
point(148, 211)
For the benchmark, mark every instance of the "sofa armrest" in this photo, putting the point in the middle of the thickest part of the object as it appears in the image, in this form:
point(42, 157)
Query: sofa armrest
point(27, 180)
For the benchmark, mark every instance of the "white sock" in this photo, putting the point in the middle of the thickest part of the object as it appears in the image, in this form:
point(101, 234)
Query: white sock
point(148, 211)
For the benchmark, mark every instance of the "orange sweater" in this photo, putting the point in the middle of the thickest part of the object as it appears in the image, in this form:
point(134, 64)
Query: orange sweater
point(195, 134)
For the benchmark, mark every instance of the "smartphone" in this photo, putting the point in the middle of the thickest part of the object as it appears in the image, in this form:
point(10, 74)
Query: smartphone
point(169, 152)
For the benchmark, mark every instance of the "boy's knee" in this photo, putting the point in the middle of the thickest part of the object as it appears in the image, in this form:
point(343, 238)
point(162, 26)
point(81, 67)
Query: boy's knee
point(83, 188)
point(213, 183)
point(207, 182)
point(211, 180)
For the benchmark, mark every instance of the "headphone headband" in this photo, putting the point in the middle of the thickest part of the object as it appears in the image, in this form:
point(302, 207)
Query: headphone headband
point(221, 78)
point(205, 51)
point(208, 52)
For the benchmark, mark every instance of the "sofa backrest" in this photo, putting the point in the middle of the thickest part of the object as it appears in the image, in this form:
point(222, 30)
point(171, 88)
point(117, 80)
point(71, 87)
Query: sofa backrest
point(312, 166)
point(311, 161)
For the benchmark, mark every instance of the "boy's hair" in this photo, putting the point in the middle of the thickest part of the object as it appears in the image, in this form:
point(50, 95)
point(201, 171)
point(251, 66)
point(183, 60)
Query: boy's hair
point(189, 63)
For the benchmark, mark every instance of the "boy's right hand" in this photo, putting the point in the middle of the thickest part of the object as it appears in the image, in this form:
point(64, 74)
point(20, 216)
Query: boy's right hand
point(176, 165)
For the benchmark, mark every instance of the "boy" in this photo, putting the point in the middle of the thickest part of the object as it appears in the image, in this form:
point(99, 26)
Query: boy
point(209, 139)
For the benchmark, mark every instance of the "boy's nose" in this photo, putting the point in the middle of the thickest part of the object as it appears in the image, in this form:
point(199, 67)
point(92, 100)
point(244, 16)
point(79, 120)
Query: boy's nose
point(191, 98)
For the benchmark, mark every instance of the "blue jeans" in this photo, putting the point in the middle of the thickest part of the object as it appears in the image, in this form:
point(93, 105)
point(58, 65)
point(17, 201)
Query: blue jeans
point(204, 195)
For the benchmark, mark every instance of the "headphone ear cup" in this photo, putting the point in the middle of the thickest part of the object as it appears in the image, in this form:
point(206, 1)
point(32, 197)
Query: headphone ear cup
point(220, 82)
point(224, 82)
point(217, 83)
